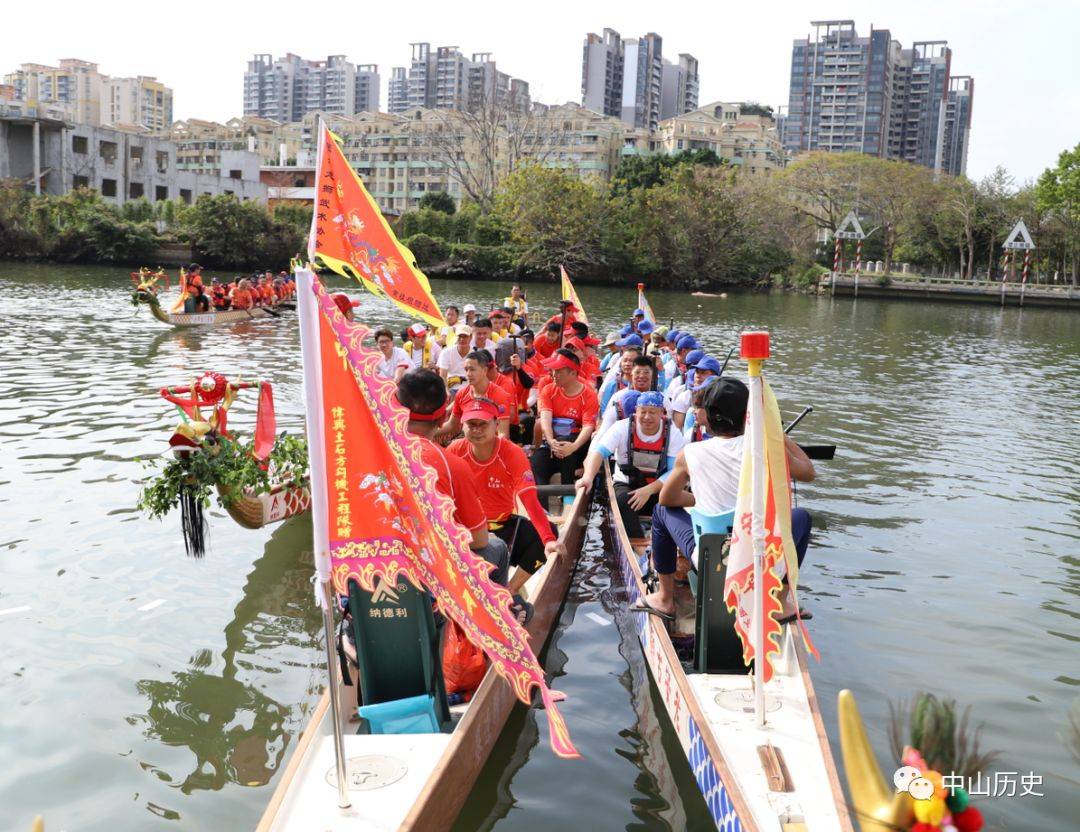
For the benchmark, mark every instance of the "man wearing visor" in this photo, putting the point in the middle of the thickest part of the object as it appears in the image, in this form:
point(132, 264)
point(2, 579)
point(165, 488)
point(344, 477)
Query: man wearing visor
point(568, 410)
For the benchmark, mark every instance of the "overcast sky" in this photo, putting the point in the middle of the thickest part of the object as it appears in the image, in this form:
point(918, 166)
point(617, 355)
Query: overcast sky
point(1024, 56)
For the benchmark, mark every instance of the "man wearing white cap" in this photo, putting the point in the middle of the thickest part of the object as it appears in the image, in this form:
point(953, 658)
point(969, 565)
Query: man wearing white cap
point(469, 311)
point(451, 362)
point(423, 352)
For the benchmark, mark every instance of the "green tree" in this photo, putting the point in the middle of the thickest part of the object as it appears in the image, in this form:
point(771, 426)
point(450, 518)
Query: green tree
point(1058, 193)
point(226, 231)
point(553, 217)
point(648, 171)
point(438, 201)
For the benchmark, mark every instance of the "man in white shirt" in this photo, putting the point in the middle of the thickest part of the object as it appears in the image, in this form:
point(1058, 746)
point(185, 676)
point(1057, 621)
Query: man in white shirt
point(711, 468)
point(395, 363)
point(422, 350)
point(469, 311)
point(451, 364)
point(444, 335)
point(482, 337)
point(644, 448)
point(641, 381)
point(705, 367)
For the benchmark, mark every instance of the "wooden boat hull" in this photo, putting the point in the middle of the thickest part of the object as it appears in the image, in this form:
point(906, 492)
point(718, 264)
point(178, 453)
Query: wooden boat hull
point(730, 798)
point(253, 511)
point(229, 316)
point(449, 778)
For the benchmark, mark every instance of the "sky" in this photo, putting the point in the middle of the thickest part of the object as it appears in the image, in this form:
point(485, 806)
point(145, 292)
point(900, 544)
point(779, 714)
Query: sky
point(1023, 56)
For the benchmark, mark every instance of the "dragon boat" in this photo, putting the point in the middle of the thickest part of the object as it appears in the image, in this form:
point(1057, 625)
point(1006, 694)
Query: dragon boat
point(146, 293)
point(759, 752)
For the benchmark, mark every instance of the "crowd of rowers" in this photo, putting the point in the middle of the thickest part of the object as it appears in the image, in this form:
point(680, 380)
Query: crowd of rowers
point(502, 409)
point(261, 289)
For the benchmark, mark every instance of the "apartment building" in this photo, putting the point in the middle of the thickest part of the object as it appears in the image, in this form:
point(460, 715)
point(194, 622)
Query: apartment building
point(200, 144)
point(287, 88)
point(957, 130)
point(869, 95)
point(748, 141)
point(142, 100)
point(90, 97)
point(444, 79)
point(629, 78)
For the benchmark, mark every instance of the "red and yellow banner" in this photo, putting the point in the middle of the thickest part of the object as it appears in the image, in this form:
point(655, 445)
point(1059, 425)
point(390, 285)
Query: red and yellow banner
point(739, 588)
point(643, 304)
point(385, 517)
point(569, 294)
point(350, 236)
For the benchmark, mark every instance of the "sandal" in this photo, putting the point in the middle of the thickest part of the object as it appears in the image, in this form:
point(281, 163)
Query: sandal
point(804, 615)
point(645, 606)
point(520, 607)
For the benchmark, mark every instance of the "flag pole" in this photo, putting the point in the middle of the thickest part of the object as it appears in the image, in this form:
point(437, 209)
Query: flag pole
point(313, 412)
point(755, 349)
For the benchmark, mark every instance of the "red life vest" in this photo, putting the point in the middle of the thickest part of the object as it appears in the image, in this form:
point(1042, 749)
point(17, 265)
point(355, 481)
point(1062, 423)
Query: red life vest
point(645, 461)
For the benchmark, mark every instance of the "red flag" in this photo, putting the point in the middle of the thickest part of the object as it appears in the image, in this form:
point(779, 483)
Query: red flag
point(265, 423)
point(350, 236)
point(383, 515)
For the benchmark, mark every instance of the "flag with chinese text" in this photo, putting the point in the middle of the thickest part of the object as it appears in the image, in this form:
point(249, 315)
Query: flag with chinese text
point(780, 555)
point(384, 516)
point(569, 294)
point(350, 236)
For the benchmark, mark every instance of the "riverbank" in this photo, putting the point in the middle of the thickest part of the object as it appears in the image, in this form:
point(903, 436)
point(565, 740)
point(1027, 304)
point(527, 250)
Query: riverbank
point(951, 291)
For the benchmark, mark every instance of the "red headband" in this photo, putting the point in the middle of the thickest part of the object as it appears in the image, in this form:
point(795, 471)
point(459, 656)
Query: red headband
point(434, 416)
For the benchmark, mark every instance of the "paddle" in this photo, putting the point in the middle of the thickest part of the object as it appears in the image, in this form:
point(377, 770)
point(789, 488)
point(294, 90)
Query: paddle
point(723, 366)
point(806, 411)
point(812, 451)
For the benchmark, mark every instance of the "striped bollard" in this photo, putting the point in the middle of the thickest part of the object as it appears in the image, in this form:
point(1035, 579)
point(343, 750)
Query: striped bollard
point(858, 264)
point(1024, 276)
point(835, 266)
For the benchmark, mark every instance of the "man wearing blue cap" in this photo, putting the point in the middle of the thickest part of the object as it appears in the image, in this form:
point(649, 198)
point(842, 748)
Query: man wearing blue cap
point(682, 378)
point(641, 381)
point(644, 448)
point(618, 375)
point(703, 368)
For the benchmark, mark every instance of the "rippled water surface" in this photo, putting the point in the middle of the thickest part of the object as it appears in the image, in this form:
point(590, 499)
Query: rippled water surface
point(143, 690)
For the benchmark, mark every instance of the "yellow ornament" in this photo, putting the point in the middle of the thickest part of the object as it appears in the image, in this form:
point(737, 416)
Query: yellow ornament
point(930, 811)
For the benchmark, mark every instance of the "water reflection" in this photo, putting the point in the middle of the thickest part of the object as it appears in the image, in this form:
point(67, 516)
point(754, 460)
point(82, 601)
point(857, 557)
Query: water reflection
point(236, 732)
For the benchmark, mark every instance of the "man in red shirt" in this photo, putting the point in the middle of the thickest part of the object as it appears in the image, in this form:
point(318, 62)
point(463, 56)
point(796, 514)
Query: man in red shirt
point(424, 394)
point(478, 364)
point(501, 472)
point(548, 341)
point(566, 315)
point(568, 411)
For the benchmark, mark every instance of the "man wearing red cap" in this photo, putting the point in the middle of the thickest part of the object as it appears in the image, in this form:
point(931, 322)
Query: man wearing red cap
point(423, 352)
point(478, 367)
point(346, 305)
point(501, 472)
point(424, 394)
point(566, 314)
point(568, 410)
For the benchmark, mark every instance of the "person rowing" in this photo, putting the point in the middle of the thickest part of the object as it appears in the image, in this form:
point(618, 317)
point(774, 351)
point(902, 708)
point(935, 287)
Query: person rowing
point(424, 394)
point(568, 410)
point(451, 363)
point(644, 448)
point(480, 373)
point(704, 367)
point(642, 376)
point(711, 469)
point(421, 348)
point(503, 478)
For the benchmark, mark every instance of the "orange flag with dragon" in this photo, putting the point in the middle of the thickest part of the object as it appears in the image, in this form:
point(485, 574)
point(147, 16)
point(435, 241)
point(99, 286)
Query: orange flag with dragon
point(350, 236)
point(384, 515)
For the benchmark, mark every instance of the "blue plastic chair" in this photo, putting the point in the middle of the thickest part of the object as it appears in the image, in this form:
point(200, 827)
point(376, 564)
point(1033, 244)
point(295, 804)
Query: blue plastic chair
point(412, 715)
point(717, 646)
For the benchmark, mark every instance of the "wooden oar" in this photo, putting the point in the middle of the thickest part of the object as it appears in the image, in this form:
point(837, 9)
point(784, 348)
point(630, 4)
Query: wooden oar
point(806, 411)
point(723, 366)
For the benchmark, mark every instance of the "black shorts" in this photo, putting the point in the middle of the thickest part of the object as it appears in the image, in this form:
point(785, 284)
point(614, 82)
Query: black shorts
point(545, 464)
point(526, 547)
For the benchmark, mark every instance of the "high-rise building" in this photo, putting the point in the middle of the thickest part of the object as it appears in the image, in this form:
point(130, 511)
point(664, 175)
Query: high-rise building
point(629, 78)
point(366, 99)
point(444, 79)
point(601, 73)
point(286, 88)
point(957, 124)
point(399, 90)
point(142, 101)
point(869, 95)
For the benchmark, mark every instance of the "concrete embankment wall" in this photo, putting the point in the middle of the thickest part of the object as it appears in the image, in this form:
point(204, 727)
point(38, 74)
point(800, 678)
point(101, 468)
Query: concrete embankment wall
point(1062, 298)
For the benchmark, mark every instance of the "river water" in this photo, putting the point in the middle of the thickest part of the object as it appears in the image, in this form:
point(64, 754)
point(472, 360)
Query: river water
point(143, 690)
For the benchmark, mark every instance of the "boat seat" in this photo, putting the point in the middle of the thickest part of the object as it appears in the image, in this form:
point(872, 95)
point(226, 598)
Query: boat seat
point(399, 661)
point(718, 648)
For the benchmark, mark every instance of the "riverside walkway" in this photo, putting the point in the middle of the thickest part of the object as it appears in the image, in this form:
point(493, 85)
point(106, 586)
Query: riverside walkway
point(918, 287)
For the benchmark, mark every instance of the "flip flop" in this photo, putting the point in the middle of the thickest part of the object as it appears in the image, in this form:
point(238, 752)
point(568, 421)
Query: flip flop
point(521, 605)
point(644, 606)
point(804, 615)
